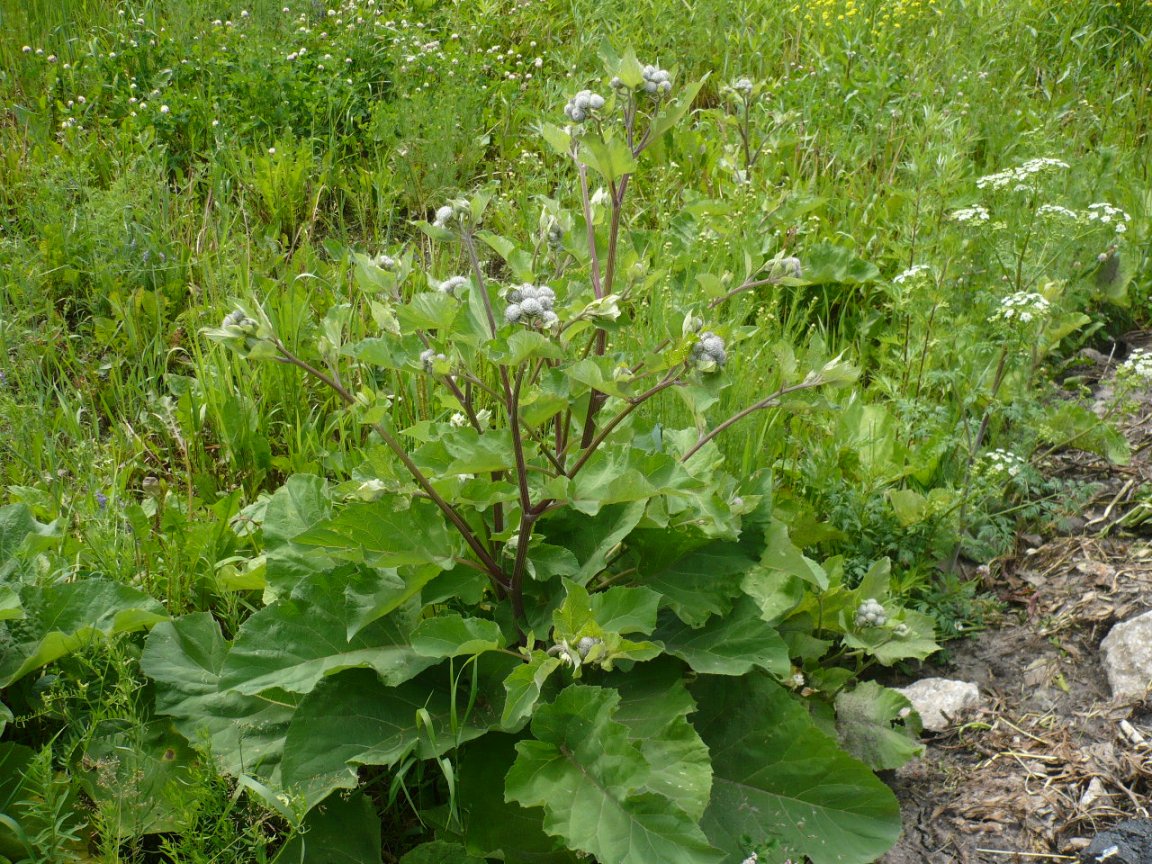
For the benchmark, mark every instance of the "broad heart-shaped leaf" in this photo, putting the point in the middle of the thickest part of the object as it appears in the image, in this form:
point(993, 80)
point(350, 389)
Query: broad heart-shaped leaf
point(731, 644)
point(245, 733)
point(697, 581)
point(343, 831)
point(592, 538)
point(354, 719)
point(294, 508)
point(296, 641)
point(494, 827)
point(654, 705)
point(777, 778)
point(59, 619)
point(625, 610)
point(440, 852)
point(371, 593)
point(592, 780)
point(16, 523)
point(451, 635)
point(377, 534)
point(143, 772)
point(523, 686)
point(871, 728)
point(10, 606)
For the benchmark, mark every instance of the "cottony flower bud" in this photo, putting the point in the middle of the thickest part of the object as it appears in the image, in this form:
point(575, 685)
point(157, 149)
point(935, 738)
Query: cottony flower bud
point(871, 614)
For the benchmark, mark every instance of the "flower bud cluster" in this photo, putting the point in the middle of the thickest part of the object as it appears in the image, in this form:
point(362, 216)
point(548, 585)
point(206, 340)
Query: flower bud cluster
point(1022, 306)
point(239, 319)
point(531, 304)
point(555, 234)
point(871, 614)
point(385, 262)
point(428, 358)
point(580, 105)
point(449, 213)
point(709, 349)
point(451, 286)
point(787, 268)
point(657, 82)
point(743, 85)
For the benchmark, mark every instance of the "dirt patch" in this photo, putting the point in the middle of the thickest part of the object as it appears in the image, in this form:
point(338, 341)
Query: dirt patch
point(1051, 759)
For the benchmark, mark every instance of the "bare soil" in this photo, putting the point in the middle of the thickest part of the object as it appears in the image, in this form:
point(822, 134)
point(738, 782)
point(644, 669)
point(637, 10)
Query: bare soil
point(1050, 759)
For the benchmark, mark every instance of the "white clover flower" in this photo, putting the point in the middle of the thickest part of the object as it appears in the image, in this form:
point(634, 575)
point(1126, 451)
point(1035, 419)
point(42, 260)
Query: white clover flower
point(1023, 306)
point(1019, 178)
point(709, 351)
point(451, 286)
point(975, 213)
point(582, 104)
point(915, 273)
point(871, 614)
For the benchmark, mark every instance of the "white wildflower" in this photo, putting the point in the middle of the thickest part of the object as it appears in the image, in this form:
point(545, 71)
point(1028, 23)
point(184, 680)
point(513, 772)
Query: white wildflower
point(915, 273)
point(1019, 178)
point(975, 213)
point(1023, 306)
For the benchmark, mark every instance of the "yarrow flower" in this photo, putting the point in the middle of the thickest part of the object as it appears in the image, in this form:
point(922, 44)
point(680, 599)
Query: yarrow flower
point(709, 351)
point(871, 613)
point(531, 304)
point(1023, 306)
point(1019, 178)
point(1056, 211)
point(975, 213)
point(1137, 369)
point(1001, 465)
point(915, 273)
point(451, 286)
point(1106, 214)
point(581, 104)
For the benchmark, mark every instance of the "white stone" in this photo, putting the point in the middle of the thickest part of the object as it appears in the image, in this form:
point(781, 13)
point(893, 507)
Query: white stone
point(941, 701)
point(1126, 654)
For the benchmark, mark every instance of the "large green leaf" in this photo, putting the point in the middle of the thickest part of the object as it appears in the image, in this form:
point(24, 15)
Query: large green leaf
point(698, 582)
point(293, 643)
point(59, 619)
point(654, 705)
point(375, 533)
point(140, 772)
point(875, 725)
point(16, 524)
point(494, 827)
point(731, 644)
point(342, 831)
point(355, 719)
point(594, 783)
point(777, 778)
point(524, 685)
point(451, 635)
point(294, 508)
point(593, 538)
point(245, 733)
point(440, 852)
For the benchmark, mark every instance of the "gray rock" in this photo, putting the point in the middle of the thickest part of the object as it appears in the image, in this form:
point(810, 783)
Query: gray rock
point(941, 701)
point(1126, 653)
point(1127, 843)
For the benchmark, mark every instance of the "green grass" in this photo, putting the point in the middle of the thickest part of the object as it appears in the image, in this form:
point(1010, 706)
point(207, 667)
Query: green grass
point(124, 229)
